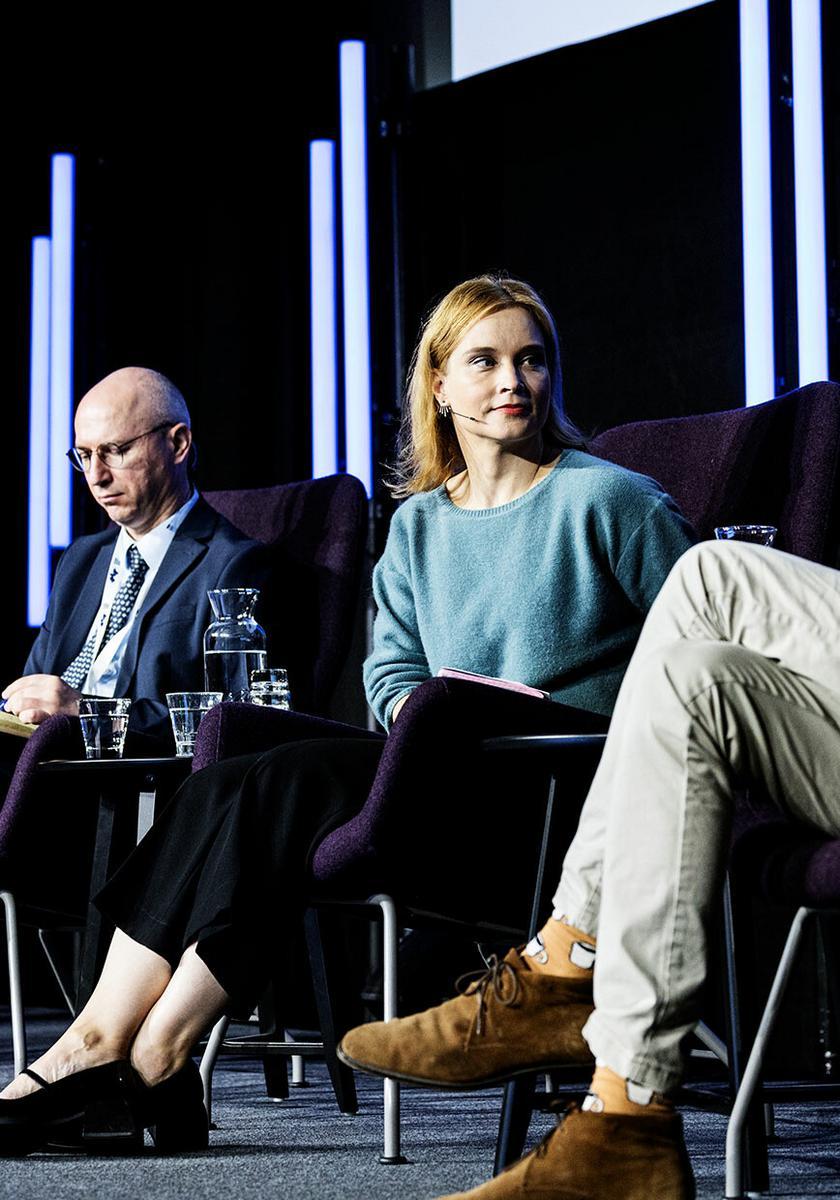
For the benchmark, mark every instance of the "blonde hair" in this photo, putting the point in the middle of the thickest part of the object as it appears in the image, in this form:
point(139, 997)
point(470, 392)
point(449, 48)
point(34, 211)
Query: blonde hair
point(428, 450)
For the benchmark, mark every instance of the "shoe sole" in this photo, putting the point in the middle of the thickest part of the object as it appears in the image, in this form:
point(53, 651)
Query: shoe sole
point(18, 1141)
point(461, 1085)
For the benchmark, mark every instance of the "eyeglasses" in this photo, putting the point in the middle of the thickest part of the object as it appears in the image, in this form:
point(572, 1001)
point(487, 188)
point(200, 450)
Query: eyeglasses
point(111, 454)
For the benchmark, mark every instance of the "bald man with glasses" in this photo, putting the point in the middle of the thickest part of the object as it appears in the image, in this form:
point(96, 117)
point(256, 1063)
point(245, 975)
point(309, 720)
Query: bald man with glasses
point(129, 606)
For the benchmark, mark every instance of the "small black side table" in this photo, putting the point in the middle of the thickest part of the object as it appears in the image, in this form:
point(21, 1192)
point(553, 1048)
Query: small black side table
point(129, 789)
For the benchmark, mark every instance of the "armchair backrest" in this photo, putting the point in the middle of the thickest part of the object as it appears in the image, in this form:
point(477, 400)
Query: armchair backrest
point(775, 464)
point(317, 531)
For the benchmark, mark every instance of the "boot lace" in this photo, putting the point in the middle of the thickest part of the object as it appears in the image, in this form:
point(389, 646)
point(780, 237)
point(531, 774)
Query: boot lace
point(500, 978)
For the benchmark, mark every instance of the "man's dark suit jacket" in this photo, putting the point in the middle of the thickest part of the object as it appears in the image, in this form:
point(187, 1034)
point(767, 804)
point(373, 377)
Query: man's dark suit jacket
point(165, 647)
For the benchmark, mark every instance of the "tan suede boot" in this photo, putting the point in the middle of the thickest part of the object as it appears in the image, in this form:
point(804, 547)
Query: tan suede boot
point(510, 1021)
point(596, 1156)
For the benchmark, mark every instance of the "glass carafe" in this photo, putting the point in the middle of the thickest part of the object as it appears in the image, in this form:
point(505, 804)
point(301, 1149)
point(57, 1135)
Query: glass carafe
point(234, 644)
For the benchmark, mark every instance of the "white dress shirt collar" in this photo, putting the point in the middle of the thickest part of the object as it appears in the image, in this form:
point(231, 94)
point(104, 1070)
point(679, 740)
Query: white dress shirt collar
point(153, 546)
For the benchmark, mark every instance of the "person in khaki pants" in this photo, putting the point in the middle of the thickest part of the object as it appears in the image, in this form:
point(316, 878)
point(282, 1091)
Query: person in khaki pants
point(735, 681)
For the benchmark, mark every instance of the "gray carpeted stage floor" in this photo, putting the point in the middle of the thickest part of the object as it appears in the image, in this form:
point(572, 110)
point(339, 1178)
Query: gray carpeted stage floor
point(302, 1147)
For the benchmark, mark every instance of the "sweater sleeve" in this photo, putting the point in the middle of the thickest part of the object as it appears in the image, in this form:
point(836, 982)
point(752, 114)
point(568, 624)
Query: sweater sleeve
point(658, 540)
point(398, 662)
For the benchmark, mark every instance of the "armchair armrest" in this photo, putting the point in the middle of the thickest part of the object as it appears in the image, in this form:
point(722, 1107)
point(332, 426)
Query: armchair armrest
point(231, 729)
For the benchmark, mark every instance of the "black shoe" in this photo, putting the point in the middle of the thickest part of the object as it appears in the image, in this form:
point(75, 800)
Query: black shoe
point(101, 1095)
point(174, 1112)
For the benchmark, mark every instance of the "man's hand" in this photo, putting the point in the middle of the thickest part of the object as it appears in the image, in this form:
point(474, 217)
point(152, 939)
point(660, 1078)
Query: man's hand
point(33, 698)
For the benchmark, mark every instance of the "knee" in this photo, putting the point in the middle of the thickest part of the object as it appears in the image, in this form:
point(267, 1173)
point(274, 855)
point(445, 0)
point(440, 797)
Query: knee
point(709, 567)
point(699, 565)
point(318, 766)
point(705, 586)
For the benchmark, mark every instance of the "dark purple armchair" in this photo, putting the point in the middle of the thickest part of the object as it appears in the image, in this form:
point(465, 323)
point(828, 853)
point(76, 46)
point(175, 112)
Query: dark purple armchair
point(774, 463)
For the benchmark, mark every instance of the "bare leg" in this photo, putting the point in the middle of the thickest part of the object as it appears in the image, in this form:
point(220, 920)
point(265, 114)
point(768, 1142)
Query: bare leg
point(132, 980)
point(192, 1001)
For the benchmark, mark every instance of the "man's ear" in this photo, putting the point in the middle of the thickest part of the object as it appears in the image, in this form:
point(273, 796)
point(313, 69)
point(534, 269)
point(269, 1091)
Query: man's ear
point(181, 436)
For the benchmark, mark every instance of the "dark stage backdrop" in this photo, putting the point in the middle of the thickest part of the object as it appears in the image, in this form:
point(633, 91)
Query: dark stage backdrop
point(191, 243)
point(608, 174)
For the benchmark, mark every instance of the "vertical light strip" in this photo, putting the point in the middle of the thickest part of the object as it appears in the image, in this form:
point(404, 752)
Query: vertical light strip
point(354, 233)
point(811, 301)
point(756, 202)
point(323, 308)
point(61, 346)
point(38, 538)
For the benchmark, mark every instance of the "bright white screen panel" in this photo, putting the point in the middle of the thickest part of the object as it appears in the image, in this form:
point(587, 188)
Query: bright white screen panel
point(489, 33)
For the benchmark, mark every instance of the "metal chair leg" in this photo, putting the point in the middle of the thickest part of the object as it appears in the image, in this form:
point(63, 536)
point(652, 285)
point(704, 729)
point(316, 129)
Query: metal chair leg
point(712, 1042)
point(518, 1096)
point(275, 1069)
point(208, 1063)
point(741, 1028)
point(391, 1153)
point(299, 1071)
point(15, 991)
point(62, 986)
point(769, 1121)
point(752, 1072)
point(517, 1107)
point(329, 996)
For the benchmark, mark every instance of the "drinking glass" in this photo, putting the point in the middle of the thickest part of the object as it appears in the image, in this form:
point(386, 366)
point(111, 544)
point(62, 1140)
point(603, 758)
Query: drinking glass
point(761, 535)
point(186, 710)
point(104, 723)
point(270, 686)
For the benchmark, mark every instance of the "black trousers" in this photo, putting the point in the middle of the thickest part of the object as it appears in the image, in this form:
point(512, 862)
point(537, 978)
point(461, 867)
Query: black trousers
point(226, 865)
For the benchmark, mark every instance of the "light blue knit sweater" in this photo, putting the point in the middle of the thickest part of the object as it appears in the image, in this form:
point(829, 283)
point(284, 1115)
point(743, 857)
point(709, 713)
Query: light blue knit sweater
point(550, 590)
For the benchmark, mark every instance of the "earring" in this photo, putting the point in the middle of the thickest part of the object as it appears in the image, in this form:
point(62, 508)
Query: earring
point(443, 410)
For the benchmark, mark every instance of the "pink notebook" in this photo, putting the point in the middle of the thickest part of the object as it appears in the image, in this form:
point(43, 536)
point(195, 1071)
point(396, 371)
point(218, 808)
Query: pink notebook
point(491, 681)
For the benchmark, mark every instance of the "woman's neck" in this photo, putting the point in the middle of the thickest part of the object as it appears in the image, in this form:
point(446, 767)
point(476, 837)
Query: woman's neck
point(493, 479)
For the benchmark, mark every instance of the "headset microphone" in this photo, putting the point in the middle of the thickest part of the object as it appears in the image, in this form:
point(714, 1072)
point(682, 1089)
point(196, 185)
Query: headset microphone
point(477, 420)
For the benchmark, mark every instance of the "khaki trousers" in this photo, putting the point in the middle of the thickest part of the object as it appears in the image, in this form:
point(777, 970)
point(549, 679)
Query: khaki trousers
point(735, 680)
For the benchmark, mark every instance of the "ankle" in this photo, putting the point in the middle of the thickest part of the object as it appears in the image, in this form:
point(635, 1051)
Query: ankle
point(91, 1040)
point(80, 1046)
point(609, 1092)
point(156, 1061)
point(154, 1069)
point(561, 949)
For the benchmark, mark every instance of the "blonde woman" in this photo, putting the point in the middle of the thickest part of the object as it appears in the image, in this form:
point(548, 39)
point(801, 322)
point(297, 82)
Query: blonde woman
point(516, 556)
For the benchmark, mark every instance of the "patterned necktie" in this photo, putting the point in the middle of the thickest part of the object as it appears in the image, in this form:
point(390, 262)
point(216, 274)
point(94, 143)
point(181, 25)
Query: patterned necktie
point(127, 593)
